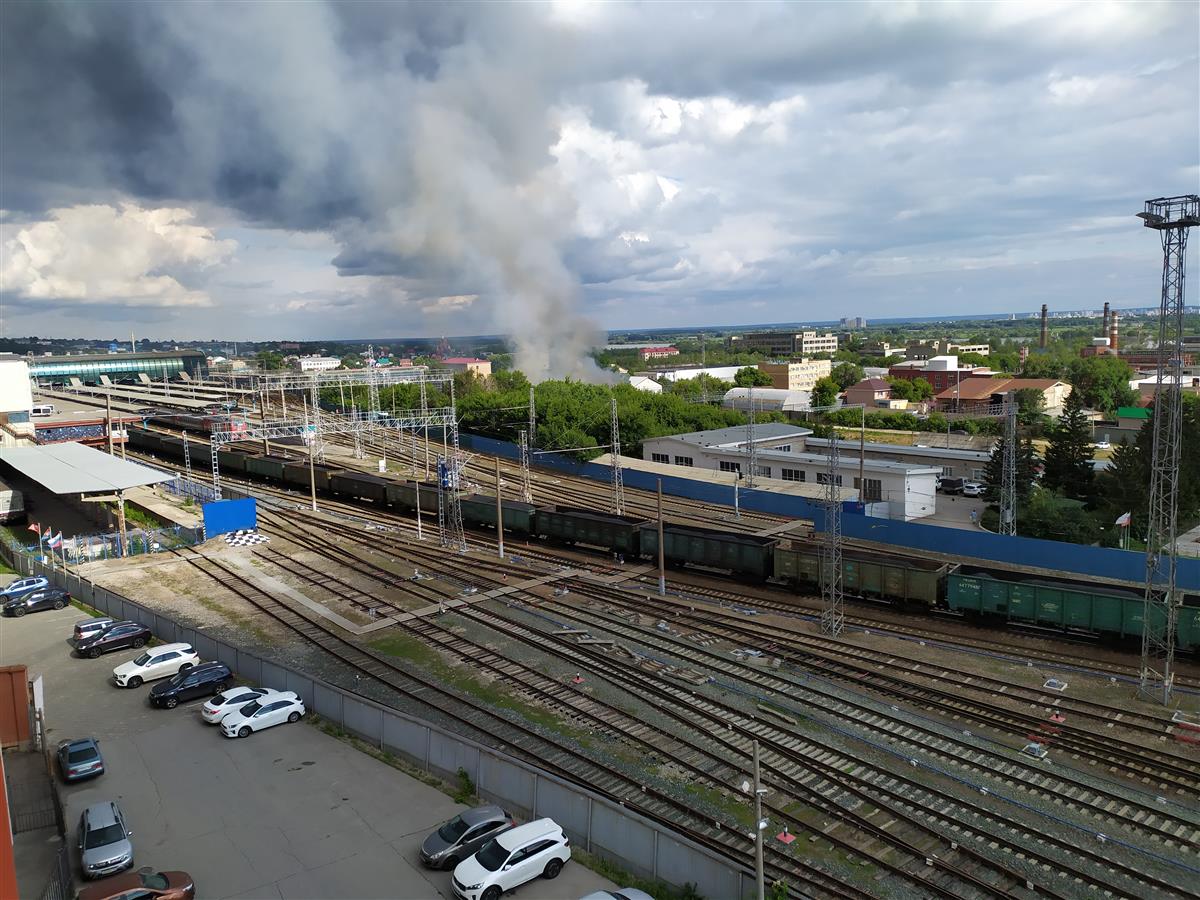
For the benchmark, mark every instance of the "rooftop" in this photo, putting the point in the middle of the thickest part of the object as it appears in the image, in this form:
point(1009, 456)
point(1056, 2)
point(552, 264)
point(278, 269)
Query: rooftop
point(871, 384)
point(108, 357)
point(735, 435)
point(849, 448)
point(75, 469)
point(980, 388)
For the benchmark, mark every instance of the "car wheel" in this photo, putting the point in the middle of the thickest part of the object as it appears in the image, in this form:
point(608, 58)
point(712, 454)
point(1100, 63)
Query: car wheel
point(172, 702)
point(244, 731)
point(138, 643)
point(294, 718)
point(58, 604)
point(185, 667)
point(94, 653)
point(134, 682)
point(553, 868)
point(19, 611)
point(219, 688)
point(492, 893)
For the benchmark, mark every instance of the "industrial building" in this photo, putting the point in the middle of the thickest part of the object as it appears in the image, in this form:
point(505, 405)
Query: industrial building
point(316, 363)
point(796, 374)
point(889, 489)
point(921, 350)
point(480, 367)
point(767, 400)
point(721, 373)
point(785, 344)
point(657, 352)
point(940, 371)
point(951, 463)
point(985, 396)
point(16, 401)
point(89, 367)
point(642, 383)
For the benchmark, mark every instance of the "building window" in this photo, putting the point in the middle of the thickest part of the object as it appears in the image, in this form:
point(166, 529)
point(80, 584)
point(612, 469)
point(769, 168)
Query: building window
point(978, 474)
point(947, 471)
point(870, 491)
point(727, 466)
point(660, 457)
point(823, 478)
point(762, 471)
point(786, 448)
point(792, 474)
point(683, 461)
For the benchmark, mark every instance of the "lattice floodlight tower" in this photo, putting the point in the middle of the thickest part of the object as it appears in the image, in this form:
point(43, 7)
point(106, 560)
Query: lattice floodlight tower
point(833, 617)
point(1171, 217)
point(618, 481)
point(1008, 477)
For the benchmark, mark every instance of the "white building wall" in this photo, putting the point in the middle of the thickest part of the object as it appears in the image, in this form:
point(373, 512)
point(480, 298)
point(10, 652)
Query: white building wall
point(16, 395)
point(318, 363)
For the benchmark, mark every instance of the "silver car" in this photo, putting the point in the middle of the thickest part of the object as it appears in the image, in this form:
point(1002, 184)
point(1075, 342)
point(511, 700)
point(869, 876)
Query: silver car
point(104, 846)
point(464, 835)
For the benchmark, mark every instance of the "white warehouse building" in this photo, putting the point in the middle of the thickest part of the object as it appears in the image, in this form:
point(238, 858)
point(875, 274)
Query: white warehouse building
point(890, 489)
point(766, 399)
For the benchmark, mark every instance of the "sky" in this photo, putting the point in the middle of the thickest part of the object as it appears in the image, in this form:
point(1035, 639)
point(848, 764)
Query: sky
point(355, 170)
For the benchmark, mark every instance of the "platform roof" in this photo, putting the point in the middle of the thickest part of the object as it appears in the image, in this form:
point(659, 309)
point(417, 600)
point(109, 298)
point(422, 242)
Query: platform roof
point(75, 469)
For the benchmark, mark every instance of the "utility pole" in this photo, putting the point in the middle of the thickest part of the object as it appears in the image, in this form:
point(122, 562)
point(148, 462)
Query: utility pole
point(759, 877)
point(1171, 217)
point(532, 418)
point(499, 511)
point(425, 409)
point(108, 422)
point(1008, 482)
point(832, 612)
point(312, 468)
point(618, 483)
point(751, 450)
point(187, 459)
point(662, 565)
point(262, 415)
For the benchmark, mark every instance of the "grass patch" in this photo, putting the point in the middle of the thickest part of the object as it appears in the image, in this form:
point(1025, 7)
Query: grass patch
point(91, 611)
point(606, 868)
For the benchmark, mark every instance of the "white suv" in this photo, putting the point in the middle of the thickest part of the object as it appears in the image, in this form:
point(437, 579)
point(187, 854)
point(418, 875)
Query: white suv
point(157, 662)
point(511, 859)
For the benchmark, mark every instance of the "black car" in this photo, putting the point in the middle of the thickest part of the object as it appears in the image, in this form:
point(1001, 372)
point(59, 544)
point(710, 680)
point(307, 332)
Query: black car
point(42, 598)
point(203, 680)
point(80, 759)
point(117, 636)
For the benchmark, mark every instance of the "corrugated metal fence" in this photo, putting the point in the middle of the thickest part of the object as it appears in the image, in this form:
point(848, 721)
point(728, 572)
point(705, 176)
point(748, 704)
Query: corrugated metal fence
point(593, 822)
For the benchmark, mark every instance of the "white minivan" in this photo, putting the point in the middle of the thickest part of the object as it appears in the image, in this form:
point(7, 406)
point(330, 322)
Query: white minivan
point(155, 662)
point(512, 858)
point(42, 410)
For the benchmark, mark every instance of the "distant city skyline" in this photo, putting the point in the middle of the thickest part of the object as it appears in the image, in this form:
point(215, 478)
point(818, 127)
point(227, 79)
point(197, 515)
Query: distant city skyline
point(324, 169)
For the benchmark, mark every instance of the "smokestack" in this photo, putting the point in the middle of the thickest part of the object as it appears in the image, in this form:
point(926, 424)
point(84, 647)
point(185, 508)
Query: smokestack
point(1104, 327)
point(1045, 327)
point(1112, 333)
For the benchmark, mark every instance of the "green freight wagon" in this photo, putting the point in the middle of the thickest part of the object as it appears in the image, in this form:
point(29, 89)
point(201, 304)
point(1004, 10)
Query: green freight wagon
point(480, 509)
point(1104, 610)
point(907, 581)
point(150, 441)
point(742, 554)
point(618, 534)
point(359, 485)
point(297, 475)
point(404, 495)
point(1188, 636)
point(270, 467)
point(229, 459)
point(172, 447)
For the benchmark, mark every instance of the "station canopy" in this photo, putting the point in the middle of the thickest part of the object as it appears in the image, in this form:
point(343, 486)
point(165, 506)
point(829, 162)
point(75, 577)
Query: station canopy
point(72, 468)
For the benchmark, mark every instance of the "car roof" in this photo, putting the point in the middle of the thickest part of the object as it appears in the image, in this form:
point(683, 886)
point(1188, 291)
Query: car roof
point(207, 667)
point(483, 814)
point(78, 742)
point(515, 837)
point(168, 648)
point(100, 815)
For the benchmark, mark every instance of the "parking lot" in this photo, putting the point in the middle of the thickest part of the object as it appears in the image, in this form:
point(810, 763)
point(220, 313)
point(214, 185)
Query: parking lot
point(286, 813)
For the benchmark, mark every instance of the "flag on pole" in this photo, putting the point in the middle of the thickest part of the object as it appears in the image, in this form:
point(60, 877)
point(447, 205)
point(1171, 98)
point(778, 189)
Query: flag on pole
point(1123, 520)
point(49, 533)
point(35, 528)
point(55, 542)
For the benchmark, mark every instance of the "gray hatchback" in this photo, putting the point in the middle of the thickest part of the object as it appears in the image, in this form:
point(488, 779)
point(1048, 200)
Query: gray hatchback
point(463, 836)
point(104, 846)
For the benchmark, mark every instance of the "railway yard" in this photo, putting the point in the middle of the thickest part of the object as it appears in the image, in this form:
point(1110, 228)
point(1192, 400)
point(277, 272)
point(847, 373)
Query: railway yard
point(918, 754)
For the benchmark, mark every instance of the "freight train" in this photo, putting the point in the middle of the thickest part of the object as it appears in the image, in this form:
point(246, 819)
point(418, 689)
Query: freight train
point(992, 597)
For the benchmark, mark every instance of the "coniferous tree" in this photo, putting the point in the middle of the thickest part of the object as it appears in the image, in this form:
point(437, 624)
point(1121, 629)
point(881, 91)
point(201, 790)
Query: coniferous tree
point(1069, 455)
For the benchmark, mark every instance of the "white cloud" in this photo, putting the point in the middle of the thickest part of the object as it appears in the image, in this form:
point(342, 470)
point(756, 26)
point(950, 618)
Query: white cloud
point(104, 255)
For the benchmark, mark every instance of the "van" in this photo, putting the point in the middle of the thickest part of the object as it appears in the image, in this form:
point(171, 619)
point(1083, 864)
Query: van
point(42, 410)
point(951, 485)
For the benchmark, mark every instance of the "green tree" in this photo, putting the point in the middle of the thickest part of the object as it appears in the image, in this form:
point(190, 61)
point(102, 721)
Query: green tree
point(1102, 381)
point(749, 376)
point(1031, 406)
point(825, 392)
point(1043, 365)
point(352, 361)
point(269, 360)
point(1069, 454)
point(1051, 516)
point(1026, 470)
point(848, 374)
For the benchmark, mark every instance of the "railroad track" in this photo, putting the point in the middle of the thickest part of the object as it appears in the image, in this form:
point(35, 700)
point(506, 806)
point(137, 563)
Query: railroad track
point(1096, 858)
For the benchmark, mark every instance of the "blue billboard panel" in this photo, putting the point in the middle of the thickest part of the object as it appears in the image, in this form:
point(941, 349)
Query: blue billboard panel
point(224, 516)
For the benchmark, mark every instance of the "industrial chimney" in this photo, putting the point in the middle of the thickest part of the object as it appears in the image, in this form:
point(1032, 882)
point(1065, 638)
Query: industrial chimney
point(1045, 332)
point(1104, 327)
point(1112, 333)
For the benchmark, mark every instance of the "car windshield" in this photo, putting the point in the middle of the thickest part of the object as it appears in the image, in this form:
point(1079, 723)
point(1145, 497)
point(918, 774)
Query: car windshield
point(251, 708)
point(142, 660)
point(83, 754)
point(102, 837)
point(178, 680)
point(453, 830)
point(492, 856)
point(154, 880)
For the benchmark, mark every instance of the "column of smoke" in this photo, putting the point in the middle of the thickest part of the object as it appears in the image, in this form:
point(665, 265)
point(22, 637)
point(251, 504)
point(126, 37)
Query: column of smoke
point(488, 205)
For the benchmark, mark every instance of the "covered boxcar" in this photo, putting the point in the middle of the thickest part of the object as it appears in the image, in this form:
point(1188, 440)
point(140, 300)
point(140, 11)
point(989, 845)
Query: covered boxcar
point(618, 534)
point(910, 581)
point(742, 554)
point(480, 509)
point(270, 467)
point(359, 485)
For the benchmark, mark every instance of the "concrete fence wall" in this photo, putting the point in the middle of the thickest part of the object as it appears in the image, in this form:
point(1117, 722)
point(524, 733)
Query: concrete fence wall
point(595, 823)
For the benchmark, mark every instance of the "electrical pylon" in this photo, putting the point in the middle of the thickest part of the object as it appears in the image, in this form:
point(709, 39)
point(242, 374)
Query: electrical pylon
point(1171, 217)
point(618, 482)
point(1008, 477)
point(833, 618)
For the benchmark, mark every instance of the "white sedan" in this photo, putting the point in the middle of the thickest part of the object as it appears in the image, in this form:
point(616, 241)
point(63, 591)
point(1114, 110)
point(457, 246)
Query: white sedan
point(218, 707)
point(259, 714)
point(155, 662)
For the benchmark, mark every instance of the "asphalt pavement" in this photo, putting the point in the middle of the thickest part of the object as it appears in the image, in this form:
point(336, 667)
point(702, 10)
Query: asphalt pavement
point(289, 812)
